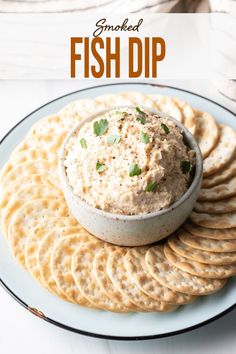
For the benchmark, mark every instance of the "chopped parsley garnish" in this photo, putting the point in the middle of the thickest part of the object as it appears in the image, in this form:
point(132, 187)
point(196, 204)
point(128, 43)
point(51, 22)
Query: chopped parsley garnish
point(100, 127)
point(185, 166)
point(145, 138)
point(134, 170)
point(113, 139)
point(141, 116)
point(100, 167)
point(151, 186)
point(83, 143)
point(165, 128)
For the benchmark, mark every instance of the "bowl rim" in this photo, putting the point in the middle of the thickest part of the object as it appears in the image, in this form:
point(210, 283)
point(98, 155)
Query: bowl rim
point(137, 217)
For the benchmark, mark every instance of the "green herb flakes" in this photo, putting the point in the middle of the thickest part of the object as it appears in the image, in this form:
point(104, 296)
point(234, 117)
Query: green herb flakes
point(134, 170)
point(144, 137)
point(113, 139)
point(141, 116)
point(100, 127)
point(100, 167)
point(151, 186)
point(165, 128)
point(83, 143)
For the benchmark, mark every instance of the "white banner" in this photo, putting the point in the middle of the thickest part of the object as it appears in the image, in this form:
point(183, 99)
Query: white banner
point(163, 46)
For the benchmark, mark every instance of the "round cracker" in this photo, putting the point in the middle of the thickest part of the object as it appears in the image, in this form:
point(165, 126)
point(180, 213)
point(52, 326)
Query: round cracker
point(221, 234)
point(80, 109)
point(222, 153)
point(218, 207)
point(44, 257)
point(82, 271)
point(121, 280)
point(207, 244)
point(99, 269)
point(190, 119)
point(127, 98)
point(138, 271)
point(207, 132)
point(114, 100)
point(168, 275)
point(137, 98)
point(25, 181)
point(34, 238)
point(47, 142)
point(221, 191)
point(199, 269)
point(167, 105)
point(40, 167)
point(35, 191)
point(61, 257)
point(214, 221)
point(26, 156)
point(52, 125)
point(28, 217)
point(220, 176)
point(48, 133)
point(201, 256)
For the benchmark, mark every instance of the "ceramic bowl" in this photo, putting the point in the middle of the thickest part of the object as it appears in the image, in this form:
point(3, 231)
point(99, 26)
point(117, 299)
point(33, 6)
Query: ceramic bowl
point(133, 230)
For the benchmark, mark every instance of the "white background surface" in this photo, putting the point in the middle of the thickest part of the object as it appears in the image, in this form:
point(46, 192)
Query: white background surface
point(23, 333)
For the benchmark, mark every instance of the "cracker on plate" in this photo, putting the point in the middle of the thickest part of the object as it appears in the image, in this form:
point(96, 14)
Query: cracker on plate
point(214, 221)
point(189, 117)
point(168, 275)
point(138, 98)
point(207, 244)
point(121, 280)
point(81, 109)
point(11, 189)
point(216, 207)
point(35, 191)
point(207, 132)
point(44, 257)
point(199, 269)
point(217, 234)
point(100, 273)
point(26, 156)
point(39, 167)
point(139, 273)
point(167, 105)
point(221, 191)
point(61, 258)
point(220, 176)
point(34, 238)
point(52, 125)
point(222, 153)
point(82, 271)
point(48, 142)
point(201, 256)
point(28, 217)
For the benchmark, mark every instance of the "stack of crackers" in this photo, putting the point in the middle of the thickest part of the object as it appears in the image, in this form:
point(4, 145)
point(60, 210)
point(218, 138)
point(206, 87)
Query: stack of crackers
point(71, 263)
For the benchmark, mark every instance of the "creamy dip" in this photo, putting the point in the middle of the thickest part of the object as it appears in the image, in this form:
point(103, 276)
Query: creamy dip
point(129, 161)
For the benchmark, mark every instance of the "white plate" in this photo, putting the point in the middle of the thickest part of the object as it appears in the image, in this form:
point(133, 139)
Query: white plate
point(31, 295)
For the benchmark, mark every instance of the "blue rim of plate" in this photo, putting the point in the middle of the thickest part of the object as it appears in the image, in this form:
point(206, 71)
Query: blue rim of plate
point(103, 336)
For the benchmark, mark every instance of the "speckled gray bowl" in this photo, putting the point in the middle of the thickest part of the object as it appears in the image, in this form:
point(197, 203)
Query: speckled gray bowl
point(132, 230)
